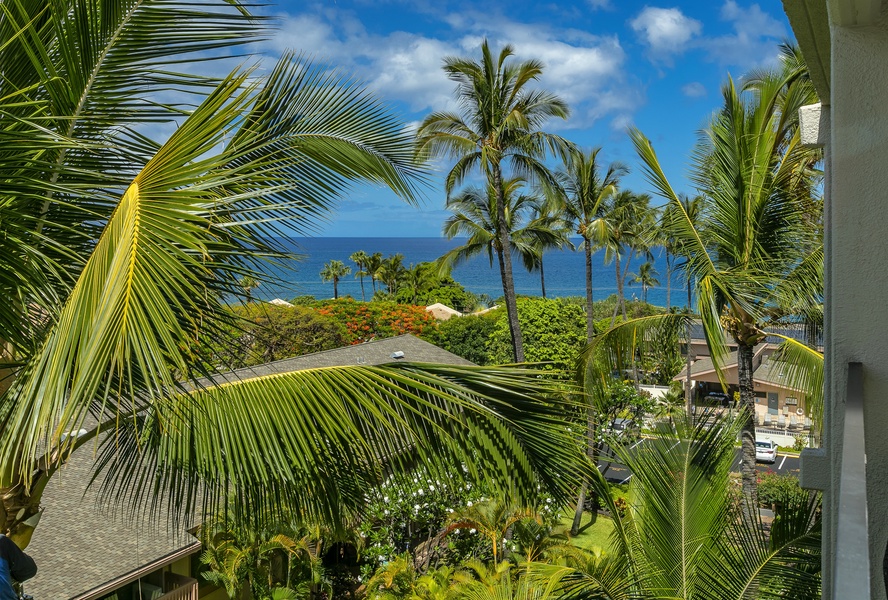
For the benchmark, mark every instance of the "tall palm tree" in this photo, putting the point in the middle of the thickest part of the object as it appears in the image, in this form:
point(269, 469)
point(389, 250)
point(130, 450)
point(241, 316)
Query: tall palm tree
point(751, 250)
point(547, 230)
point(119, 249)
point(374, 264)
point(360, 259)
point(335, 270)
point(475, 217)
point(629, 229)
point(499, 126)
point(391, 271)
point(584, 185)
point(647, 277)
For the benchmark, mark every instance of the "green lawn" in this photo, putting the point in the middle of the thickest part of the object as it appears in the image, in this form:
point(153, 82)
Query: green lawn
point(592, 535)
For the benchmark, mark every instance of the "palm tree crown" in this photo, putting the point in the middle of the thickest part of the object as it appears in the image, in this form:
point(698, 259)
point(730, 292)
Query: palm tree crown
point(499, 125)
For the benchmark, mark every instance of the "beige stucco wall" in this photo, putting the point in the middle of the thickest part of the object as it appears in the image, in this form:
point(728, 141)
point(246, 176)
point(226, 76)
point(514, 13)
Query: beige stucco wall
point(856, 276)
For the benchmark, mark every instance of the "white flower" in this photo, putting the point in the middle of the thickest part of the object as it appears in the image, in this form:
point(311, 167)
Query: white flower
point(385, 512)
point(420, 491)
point(472, 530)
point(385, 499)
point(416, 507)
point(469, 503)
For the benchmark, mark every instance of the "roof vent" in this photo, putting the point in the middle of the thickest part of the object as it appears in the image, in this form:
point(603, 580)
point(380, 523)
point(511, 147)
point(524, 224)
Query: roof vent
point(398, 354)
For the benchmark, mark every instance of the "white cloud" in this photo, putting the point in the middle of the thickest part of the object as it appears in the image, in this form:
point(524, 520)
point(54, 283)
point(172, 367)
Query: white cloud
point(599, 4)
point(666, 31)
point(585, 70)
point(694, 89)
point(754, 41)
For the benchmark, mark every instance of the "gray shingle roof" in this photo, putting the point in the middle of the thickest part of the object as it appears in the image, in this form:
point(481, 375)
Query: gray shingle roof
point(78, 547)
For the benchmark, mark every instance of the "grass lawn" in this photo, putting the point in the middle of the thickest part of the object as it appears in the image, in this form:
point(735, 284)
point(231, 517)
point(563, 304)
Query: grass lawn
point(592, 535)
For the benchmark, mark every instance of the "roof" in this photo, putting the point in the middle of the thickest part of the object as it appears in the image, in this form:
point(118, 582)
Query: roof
point(80, 549)
point(375, 352)
point(769, 371)
point(442, 312)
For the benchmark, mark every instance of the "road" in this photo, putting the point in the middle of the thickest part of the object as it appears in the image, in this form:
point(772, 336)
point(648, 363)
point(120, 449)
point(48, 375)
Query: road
point(784, 465)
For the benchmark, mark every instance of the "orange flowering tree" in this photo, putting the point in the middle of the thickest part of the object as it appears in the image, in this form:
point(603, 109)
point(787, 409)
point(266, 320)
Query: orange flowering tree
point(365, 321)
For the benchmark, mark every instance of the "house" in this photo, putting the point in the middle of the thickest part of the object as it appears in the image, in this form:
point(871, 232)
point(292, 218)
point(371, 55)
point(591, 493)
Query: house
point(86, 553)
point(442, 312)
point(845, 44)
point(774, 396)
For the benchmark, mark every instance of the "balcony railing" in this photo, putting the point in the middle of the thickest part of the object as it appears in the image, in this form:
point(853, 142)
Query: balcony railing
point(851, 564)
point(179, 587)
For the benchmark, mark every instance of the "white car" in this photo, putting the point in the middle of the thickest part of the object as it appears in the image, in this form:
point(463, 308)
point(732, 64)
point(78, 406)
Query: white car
point(766, 451)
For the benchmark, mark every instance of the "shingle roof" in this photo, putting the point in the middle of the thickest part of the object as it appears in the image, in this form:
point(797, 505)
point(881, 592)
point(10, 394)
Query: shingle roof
point(79, 548)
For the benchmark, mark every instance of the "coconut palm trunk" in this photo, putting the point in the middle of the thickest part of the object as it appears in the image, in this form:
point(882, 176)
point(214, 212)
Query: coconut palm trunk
point(505, 264)
point(542, 278)
point(592, 454)
point(590, 304)
point(689, 400)
point(747, 432)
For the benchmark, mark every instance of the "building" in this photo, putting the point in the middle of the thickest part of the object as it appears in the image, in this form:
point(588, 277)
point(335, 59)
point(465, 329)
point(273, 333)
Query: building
point(776, 402)
point(845, 44)
point(86, 553)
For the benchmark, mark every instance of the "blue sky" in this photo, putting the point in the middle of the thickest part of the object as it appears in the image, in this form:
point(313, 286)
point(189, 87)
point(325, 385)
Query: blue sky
point(658, 66)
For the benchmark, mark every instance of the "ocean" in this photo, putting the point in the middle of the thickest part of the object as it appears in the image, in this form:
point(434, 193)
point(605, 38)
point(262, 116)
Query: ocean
point(564, 270)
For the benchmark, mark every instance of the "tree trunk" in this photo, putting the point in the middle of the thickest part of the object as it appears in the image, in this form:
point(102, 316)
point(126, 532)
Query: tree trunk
point(592, 454)
point(505, 263)
point(542, 278)
point(623, 283)
point(747, 432)
point(590, 305)
point(619, 272)
point(668, 284)
point(335, 289)
point(689, 400)
point(363, 299)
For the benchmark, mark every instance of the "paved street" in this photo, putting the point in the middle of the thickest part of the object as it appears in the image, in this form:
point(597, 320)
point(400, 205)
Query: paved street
point(784, 465)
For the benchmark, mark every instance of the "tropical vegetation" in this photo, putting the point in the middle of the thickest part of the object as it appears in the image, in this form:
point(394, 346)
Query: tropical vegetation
point(500, 126)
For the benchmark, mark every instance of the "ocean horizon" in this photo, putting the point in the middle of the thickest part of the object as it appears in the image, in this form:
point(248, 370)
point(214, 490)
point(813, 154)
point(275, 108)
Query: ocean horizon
point(564, 270)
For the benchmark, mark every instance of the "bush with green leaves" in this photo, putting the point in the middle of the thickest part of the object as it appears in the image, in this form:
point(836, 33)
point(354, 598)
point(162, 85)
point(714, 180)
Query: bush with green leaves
point(468, 336)
point(780, 490)
point(554, 331)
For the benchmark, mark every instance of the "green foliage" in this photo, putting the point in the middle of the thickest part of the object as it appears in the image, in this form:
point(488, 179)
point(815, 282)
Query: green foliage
point(554, 331)
point(272, 332)
point(468, 336)
point(604, 310)
point(436, 289)
point(402, 515)
point(775, 489)
point(365, 321)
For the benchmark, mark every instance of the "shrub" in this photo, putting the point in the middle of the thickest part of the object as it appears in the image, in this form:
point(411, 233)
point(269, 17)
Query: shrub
point(468, 336)
point(778, 489)
point(277, 332)
point(553, 331)
point(365, 321)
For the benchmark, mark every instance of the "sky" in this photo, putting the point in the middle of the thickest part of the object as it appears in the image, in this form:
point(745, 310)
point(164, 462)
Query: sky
point(617, 63)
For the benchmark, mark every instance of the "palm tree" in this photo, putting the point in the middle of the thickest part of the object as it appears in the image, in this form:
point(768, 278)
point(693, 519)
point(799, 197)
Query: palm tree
point(629, 229)
point(360, 259)
point(492, 519)
point(475, 218)
point(118, 250)
point(374, 264)
point(391, 271)
point(546, 231)
point(335, 270)
point(248, 284)
point(500, 125)
point(750, 252)
point(684, 536)
point(583, 190)
point(647, 277)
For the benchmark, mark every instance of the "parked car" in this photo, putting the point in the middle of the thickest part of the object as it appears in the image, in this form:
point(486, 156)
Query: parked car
point(766, 451)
